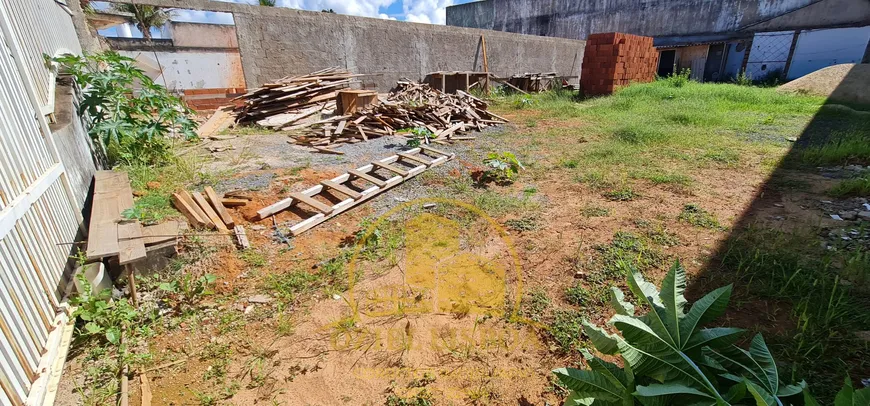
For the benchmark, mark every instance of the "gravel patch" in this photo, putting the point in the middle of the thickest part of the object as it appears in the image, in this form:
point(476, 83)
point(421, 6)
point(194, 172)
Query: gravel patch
point(250, 182)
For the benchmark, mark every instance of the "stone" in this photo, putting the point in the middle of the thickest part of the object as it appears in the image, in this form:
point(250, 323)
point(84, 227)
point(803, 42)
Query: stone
point(429, 206)
point(864, 215)
point(258, 227)
point(259, 299)
point(848, 215)
point(836, 217)
point(778, 205)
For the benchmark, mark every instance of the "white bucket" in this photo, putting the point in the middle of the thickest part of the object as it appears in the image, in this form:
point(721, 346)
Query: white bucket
point(96, 275)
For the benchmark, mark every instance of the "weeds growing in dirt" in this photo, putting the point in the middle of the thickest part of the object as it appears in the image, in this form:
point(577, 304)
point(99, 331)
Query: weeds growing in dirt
point(577, 295)
point(565, 329)
point(501, 168)
point(527, 223)
point(859, 186)
point(595, 211)
point(624, 193)
point(698, 217)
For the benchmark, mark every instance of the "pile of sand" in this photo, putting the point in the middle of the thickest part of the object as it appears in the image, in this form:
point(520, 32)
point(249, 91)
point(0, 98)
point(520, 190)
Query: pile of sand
point(846, 83)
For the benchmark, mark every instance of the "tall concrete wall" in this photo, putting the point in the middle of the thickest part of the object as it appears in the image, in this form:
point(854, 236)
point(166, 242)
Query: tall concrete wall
point(577, 19)
point(275, 42)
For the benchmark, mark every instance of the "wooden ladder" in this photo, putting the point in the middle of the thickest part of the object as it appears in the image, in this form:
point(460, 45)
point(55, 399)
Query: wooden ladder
point(419, 159)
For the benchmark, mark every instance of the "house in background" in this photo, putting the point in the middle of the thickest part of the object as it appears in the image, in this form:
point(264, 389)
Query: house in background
point(716, 39)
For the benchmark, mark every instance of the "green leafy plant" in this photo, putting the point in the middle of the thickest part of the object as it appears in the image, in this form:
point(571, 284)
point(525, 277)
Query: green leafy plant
point(502, 168)
point(698, 217)
point(103, 318)
point(187, 291)
point(743, 79)
point(418, 136)
point(132, 117)
point(679, 79)
point(669, 359)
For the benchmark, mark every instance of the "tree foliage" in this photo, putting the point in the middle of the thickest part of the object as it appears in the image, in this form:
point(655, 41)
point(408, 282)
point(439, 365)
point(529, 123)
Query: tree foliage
point(131, 116)
point(145, 17)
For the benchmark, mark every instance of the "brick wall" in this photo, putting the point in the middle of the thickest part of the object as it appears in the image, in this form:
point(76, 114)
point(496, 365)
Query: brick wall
point(612, 60)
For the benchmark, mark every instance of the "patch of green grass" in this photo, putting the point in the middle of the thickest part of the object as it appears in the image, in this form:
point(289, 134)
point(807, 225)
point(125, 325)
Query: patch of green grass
point(698, 217)
point(570, 163)
point(661, 236)
point(626, 248)
point(498, 204)
point(566, 330)
point(726, 157)
point(253, 258)
point(595, 211)
point(288, 286)
point(577, 295)
point(786, 267)
point(527, 223)
point(859, 186)
point(596, 180)
point(841, 147)
point(657, 177)
point(534, 305)
point(622, 194)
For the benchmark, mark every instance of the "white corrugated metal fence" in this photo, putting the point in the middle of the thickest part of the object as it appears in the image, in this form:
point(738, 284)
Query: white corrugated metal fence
point(37, 212)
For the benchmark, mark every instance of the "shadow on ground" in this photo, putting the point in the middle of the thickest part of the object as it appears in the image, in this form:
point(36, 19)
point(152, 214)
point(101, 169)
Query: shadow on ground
point(801, 276)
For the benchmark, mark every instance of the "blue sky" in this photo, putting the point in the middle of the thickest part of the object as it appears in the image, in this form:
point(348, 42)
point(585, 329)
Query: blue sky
point(418, 11)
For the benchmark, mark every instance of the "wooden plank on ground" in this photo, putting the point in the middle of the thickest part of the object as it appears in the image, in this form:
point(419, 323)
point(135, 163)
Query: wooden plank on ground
point(327, 150)
point(228, 202)
point(367, 177)
point(219, 207)
point(189, 209)
point(353, 194)
point(415, 158)
point(390, 168)
point(209, 211)
point(159, 233)
point(321, 207)
point(433, 150)
point(103, 230)
point(130, 242)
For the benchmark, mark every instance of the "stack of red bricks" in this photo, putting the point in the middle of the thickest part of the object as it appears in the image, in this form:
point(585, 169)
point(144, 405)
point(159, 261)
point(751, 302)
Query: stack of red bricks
point(614, 59)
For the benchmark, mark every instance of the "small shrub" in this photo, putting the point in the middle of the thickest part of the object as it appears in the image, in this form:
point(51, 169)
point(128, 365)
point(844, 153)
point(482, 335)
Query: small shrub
point(502, 168)
point(418, 135)
point(743, 79)
point(186, 292)
point(535, 305)
point(698, 217)
point(679, 79)
point(133, 117)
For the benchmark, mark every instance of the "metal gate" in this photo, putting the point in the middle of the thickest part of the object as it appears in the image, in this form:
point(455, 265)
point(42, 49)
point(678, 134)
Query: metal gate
point(38, 212)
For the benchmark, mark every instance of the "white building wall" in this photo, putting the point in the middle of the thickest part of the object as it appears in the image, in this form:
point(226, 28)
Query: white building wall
point(817, 49)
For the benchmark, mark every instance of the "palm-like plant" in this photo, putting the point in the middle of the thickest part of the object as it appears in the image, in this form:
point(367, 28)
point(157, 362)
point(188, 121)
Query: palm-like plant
point(145, 17)
point(669, 359)
point(267, 3)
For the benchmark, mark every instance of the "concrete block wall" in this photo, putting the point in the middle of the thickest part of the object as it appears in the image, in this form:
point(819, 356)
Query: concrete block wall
point(613, 60)
point(278, 43)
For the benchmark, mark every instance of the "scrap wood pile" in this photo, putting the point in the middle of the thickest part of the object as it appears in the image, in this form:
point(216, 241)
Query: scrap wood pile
point(293, 98)
point(412, 105)
point(209, 211)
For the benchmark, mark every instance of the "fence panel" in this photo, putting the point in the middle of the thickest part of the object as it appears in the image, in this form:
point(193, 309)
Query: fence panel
point(37, 214)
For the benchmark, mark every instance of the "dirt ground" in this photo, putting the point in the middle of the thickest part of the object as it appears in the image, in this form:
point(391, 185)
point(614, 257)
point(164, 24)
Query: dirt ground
point(429, 319)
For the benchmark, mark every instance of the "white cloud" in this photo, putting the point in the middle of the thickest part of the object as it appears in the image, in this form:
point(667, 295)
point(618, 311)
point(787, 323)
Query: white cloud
point(386, 17)
point(426, 11)
point(193, 16)
point(364, 8)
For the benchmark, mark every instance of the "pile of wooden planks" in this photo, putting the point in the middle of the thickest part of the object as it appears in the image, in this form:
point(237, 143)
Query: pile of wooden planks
point(109, 234)
point(412, 105)
point(536, 82)
point(207, 210)
point(294, 98)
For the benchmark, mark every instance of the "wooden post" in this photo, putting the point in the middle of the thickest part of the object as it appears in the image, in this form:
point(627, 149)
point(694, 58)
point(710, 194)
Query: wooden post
point(485, 64)
point(132, 282)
